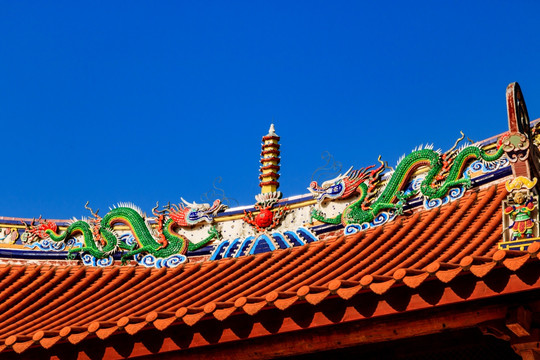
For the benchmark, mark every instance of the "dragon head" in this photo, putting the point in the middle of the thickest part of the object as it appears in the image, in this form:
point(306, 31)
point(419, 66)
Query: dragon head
point(331, 189)
point(343, 186)
point(189, 214)
point(37, 232)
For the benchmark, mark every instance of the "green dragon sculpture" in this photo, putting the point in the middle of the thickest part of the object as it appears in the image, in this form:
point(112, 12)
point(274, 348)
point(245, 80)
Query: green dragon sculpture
point(101, 241)
point(445, 172)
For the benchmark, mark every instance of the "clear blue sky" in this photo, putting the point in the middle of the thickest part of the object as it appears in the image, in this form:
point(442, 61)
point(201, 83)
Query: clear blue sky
point(152, 100)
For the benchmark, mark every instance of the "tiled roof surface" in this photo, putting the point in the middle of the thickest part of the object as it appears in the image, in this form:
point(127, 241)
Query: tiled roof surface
point(45, 305)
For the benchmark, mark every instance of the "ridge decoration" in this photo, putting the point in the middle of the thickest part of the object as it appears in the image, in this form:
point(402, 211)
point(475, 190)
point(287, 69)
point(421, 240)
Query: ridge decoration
point(445, 173)
point(101, 241)
point(267, 218)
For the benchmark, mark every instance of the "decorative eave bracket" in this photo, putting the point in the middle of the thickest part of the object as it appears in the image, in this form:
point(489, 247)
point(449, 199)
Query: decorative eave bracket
point(517, 144)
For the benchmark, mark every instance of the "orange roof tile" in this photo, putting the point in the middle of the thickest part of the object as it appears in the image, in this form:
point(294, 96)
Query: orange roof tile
point(42, 306)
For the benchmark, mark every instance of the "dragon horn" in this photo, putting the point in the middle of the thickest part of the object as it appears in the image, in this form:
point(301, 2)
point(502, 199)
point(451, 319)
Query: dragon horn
point(26, 225)
point(187, 203)
point(95, 214)
point(157, 212)
point(457, 141)
point(167, 208)
point(154, 209)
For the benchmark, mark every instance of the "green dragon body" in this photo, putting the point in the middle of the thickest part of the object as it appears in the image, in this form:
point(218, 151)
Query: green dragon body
point(170, 243)
point(101, 241)
point(445, 172)
point(81, 227)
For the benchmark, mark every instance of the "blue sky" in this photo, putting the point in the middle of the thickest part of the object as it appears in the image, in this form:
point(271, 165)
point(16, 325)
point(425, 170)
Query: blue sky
point(143, 101)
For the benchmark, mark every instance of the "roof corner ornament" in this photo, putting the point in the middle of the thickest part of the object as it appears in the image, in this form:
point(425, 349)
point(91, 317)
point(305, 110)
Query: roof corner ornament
point(520, 214)
point(516, 142)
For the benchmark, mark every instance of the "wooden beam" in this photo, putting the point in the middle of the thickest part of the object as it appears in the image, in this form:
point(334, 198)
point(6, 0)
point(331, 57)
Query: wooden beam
point(519, 321)
point(529, 355)
point(341, 335)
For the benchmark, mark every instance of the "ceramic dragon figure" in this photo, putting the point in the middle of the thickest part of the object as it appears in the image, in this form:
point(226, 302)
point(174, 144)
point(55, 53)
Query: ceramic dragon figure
point(344, 186)
point(445, 172)
point(100, 240)
point(190, 214)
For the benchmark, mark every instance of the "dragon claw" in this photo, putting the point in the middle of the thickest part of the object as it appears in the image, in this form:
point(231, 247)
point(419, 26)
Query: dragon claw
point(124, 260)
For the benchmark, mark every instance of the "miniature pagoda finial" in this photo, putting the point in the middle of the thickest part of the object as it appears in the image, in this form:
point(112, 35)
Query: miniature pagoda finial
point(269, 162)
point(272, 130)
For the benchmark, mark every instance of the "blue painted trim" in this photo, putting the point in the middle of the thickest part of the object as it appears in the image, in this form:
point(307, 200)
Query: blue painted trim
point(324, 228)
point(245, 246)
point(293, 238)
point(207, 250)
point(258, 241)
point(281, 241)
point(33, 254)
point(306, 235)
point(217, 254)
point(231, 249)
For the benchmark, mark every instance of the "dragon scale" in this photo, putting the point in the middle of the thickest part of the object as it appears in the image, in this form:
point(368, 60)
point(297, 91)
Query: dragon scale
point(90, 246)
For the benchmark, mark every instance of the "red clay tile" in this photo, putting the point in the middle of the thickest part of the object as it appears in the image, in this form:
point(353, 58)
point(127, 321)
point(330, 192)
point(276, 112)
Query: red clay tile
point(106, 332)
point(222, 314)
point(281, 300)
point(21, 347)
point(414, 281)
point(132, 329)
point(483, 223)
point(382, 287)
point(448, 275)
point(78, 337)
point(514, 263)
point(416, 241)
point(313, 294)
point(347, 293)
point(69, 330)
point(336, 284)
point(534, 248)
point(45, 305)
point(192, 319)
point(482, 270)
point(49, 342)
point(349, 258)
point(161, 320)
point(442, 235)
point(435, 266)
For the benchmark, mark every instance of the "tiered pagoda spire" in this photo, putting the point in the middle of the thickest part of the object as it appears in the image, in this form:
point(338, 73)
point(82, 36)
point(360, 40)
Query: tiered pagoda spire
point(269, 162)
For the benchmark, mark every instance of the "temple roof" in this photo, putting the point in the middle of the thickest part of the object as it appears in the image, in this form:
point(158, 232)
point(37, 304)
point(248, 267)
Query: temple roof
point(293, 285)
point(45, 305)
